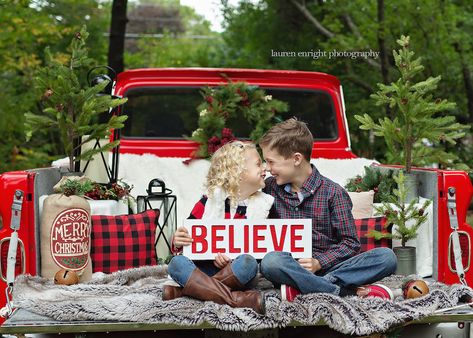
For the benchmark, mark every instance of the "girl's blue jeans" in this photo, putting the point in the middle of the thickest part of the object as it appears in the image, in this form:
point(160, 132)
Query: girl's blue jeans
point(244, 268)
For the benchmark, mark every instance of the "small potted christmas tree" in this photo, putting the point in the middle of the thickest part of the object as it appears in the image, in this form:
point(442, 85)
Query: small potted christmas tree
point(416, 118)
point(407, 219)
point(69, 107)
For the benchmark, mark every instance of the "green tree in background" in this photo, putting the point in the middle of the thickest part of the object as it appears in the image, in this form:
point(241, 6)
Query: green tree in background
point(164, 33)
point(443, 32)
point(27, 28)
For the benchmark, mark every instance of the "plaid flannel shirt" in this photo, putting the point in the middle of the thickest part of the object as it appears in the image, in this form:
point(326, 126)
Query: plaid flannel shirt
point(334, 235)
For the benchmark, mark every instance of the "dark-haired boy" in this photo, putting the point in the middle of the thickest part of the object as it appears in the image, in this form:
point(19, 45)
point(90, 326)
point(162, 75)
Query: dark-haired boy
point(300, 191)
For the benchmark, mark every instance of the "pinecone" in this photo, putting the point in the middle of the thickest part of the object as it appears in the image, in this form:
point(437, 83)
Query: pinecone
point(59, 107)
point(421, 212)
point(47, 94)
point(69, 191)
point(404, 101)
point(224, 113)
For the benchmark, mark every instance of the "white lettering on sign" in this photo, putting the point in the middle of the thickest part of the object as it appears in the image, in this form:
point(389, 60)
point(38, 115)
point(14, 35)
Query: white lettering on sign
point(234, 237)
point(70, 239)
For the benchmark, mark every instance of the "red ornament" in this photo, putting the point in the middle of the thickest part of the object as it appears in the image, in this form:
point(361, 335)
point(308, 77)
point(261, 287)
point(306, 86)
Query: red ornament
point(213, 140)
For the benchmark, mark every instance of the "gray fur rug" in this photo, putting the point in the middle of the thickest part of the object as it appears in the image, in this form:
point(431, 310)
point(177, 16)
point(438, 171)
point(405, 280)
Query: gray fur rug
point(135, 295)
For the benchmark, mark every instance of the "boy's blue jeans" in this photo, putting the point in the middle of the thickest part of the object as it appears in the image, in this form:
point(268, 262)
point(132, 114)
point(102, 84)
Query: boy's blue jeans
point(244, 268)
point(365, 268)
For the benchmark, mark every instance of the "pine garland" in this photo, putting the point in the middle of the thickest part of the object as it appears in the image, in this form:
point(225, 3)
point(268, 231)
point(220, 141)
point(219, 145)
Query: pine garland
point(382, 184)
point(236, 99)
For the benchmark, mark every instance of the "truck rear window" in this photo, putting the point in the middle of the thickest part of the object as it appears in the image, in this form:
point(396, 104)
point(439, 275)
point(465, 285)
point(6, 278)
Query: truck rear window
point(170, 113)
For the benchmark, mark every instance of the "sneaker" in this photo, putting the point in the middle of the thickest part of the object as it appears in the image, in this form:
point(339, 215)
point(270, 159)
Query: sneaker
point(289, 293)
point(375, 290)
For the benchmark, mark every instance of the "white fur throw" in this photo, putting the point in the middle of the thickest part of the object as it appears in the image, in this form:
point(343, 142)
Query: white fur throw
point(135, 295)
point(187, 181)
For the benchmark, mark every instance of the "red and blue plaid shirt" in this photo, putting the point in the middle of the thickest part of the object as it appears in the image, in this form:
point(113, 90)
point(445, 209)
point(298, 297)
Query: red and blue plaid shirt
point(334, 235)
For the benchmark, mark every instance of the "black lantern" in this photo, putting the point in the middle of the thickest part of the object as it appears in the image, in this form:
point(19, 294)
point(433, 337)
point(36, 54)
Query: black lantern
point(100, 77)
point(160, 197)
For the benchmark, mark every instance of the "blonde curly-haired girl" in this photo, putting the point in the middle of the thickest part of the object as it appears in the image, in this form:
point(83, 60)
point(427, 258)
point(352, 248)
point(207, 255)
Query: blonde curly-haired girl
point(234, 180)
point(227, 166)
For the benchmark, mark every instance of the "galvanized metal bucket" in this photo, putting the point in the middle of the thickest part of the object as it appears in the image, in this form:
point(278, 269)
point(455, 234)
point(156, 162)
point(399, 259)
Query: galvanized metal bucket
point(406, 260)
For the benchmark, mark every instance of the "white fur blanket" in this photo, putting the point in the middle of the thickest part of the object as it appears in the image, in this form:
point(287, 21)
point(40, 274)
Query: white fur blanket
point(187, 181)
point(135, 295)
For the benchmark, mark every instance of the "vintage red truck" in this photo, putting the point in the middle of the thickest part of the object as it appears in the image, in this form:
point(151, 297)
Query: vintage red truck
point(162, 108)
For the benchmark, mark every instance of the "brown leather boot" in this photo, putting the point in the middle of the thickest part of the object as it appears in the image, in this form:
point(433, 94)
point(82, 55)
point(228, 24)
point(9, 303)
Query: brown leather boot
point(203, 287)
point(170, 292)
point(227, 277)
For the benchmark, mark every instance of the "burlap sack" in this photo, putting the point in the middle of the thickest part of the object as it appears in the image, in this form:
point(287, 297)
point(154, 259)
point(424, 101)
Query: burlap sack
point(65, 236)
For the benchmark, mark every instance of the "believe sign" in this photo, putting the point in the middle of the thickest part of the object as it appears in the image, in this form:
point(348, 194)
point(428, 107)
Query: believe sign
point(234, 237)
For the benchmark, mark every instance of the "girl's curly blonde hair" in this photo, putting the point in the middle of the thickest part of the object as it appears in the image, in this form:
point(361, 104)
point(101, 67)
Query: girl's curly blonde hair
point(226, 168)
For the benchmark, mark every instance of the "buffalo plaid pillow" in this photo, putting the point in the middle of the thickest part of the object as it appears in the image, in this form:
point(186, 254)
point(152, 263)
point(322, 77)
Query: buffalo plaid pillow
point(122, 242)
point(364, 226)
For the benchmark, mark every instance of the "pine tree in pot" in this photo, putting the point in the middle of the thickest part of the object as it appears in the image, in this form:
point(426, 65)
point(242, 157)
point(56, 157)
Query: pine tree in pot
point(417, 117)
point(407, 218)
point(70, 107)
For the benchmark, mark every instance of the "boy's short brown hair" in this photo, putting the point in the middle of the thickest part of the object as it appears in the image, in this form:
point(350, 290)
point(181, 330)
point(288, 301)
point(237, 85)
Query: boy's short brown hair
point(289, 137)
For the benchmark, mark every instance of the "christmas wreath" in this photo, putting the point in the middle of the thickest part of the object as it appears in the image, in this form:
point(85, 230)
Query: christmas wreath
point(235, 99)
